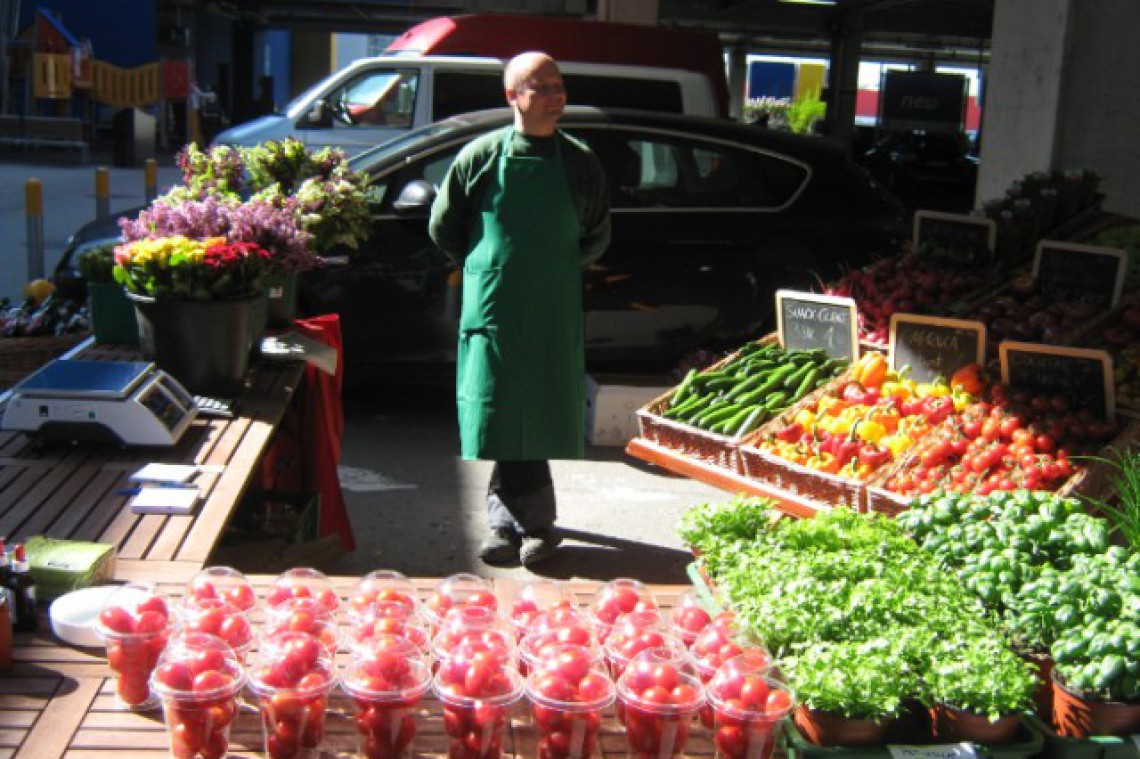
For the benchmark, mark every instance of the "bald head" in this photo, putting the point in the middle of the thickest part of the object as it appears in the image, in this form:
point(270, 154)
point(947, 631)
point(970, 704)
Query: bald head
point(523, 66)
point(536, 93)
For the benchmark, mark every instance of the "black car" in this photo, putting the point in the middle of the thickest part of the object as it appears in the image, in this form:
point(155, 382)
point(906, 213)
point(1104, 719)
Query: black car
point(710, 217)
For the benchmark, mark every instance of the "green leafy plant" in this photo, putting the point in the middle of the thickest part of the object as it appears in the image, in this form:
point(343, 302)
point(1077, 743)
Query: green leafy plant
point(980, 675)
point(741, 518)
point(860, 680)
point(1101, 659)
point(1124, 509)
point(804, 111)
point(97, 265)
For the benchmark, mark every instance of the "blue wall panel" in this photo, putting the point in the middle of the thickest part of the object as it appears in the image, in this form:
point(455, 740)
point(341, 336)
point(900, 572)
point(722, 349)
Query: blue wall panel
point(122, 32)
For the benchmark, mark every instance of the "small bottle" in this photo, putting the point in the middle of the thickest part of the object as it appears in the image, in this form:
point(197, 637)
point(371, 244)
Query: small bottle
point(5, 632)
point(23, 591)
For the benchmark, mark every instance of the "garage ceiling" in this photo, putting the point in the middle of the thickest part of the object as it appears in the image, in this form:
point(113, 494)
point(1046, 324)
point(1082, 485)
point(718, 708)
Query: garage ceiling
point(946, 29)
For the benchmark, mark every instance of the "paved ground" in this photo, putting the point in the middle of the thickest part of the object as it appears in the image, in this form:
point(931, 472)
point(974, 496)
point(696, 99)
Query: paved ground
point(415, 506)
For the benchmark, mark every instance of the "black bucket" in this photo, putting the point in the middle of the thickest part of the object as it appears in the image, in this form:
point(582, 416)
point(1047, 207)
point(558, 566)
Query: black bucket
point(204, 344)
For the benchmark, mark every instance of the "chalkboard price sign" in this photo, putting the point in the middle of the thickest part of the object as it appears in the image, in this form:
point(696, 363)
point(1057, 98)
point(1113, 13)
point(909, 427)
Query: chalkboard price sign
point(1082, 375)
point(969, 240)
point(935, 347)
point(1084, 273)
point(807, 321)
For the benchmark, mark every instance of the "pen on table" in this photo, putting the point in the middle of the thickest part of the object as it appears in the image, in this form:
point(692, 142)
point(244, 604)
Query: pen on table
point(170, 485)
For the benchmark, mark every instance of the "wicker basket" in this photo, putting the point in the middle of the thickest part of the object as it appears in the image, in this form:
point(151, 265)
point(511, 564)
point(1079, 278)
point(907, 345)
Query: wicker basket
point(20, 356)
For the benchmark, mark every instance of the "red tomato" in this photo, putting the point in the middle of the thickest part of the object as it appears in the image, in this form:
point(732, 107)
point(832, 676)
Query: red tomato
point(241, 596)
point(779, 702)
point(151, 621)
point(593, 688)
point(117, 619)
point(156, 604)
point(211, 680)
point(175, 675)
point(753, 693)
point(205, 660)
point(555, 687)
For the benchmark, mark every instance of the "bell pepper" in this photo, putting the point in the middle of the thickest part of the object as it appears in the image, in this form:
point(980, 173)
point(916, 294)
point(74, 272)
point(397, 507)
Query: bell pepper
point(853, 393)
point(870, 370)
point(824, 462)
point(791, 433)
point(937, 408)
point(873, 455)
point(869, 431)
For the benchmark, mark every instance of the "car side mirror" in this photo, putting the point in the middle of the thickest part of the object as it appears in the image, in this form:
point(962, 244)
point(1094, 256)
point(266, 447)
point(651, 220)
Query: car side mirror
point(319, 116)
point(417, 196)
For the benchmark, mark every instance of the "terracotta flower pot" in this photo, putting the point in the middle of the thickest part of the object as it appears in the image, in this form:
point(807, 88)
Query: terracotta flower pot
point(1078, 717)
point(830, 729)
point(953, 725)
point(1043, 669)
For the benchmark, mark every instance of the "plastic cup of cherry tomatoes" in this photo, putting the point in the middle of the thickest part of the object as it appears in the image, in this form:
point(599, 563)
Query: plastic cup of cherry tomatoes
point(633, 633)
point(477, 688)
point(291, 677)
point(198, 678)
point(303, 615)
point(385, 586)
point(462, 623)
point(385, 618)
point(457, 590)
point(215, 616)
point(617, 597)
point(303, 582)
point(534, 599)
point(659, 692)
point(689, 617)
point(134, 623)
point(569, 693)
point(749, 705)
point(386, 681)
point(225, 583)
point(719, 642)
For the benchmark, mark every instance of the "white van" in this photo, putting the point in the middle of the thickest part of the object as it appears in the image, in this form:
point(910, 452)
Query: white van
point(378, 99)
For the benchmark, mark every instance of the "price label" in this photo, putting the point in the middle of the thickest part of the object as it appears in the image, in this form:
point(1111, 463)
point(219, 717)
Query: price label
point(935, 347)
point(1082, 273)
point(807, 321)
point(945, 751)
point(966, 239)
point(1082, 375)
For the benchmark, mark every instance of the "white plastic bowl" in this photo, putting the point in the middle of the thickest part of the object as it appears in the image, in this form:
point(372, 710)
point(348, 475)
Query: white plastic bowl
point(73, 615)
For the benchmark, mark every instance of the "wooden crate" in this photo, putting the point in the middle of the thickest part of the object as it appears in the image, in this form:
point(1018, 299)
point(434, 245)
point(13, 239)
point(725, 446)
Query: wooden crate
point(20, 356)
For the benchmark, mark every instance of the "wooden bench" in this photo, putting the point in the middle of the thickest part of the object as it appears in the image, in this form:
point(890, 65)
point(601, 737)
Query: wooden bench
point(43, 131)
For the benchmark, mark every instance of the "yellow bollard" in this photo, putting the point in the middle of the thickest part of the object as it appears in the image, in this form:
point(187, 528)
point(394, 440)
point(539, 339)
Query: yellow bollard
point(102, 193)
point(150, 191)
point(34, 210)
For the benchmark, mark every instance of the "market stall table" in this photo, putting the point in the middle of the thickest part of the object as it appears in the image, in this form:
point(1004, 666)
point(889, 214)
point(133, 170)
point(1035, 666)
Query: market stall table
point(58, 701)
point(65, 490)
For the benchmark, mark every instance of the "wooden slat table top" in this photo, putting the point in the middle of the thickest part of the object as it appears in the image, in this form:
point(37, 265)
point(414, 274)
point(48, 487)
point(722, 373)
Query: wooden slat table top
point(69, 491)
point(58, 701)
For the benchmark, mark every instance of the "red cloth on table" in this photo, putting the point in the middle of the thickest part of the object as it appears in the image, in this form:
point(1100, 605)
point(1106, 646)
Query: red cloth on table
point(306, 449)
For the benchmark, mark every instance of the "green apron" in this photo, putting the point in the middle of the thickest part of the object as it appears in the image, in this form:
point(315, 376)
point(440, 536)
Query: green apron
point(520, 374)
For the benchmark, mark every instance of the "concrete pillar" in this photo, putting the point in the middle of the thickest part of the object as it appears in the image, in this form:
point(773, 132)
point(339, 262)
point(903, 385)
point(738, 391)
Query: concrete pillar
point(737, 81)
point(1061, 95)
point(1023, 93)
point(843, 78)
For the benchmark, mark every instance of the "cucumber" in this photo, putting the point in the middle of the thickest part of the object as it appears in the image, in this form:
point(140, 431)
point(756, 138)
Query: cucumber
point(710, 418)
point(808, 383)
point(775, 380)
point(777, 400)
point(793, 380)
point(751, 383)
point(684, 388)
point(728, 426)
point(758, 416)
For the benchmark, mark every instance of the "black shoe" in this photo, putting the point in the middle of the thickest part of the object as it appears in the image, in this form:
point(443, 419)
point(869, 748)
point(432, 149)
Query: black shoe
point(501, 548)
point(539, 546)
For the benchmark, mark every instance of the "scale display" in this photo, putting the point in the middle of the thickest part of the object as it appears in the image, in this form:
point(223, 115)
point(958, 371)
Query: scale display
point(130, 402)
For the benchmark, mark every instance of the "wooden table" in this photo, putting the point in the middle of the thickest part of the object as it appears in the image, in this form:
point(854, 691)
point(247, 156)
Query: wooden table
point(58, 701)
point(68, 491)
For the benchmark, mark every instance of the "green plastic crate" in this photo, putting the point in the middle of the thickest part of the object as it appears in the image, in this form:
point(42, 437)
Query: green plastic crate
point(705, 594)
point(796, 746)
point(1094, 747)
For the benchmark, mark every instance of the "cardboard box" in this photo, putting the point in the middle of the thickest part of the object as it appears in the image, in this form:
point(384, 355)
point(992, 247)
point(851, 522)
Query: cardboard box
point(612, 402)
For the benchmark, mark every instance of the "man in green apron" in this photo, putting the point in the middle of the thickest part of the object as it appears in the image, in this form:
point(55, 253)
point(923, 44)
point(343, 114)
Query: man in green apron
point(523, 209)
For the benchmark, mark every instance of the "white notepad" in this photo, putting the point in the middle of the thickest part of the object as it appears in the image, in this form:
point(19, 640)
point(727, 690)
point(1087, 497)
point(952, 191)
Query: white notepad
point(155, 472)
point(165, 501)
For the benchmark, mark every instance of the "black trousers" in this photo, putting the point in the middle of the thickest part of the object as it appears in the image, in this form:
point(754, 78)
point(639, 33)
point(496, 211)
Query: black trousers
point(521, 496)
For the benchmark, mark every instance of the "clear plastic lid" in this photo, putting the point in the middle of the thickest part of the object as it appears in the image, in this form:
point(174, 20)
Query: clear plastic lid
point(382, 586)
point(226, 583)
point(475, 680)
point(387, 618)
point(635, 632)
point(134, 610)
point(721, 640)
point(391, 669)
point(303, 615)
point(497, 642)
point(461, 589)
point(215, 616)
point(303, 582)
point(570, 678)
point(661, 681)
point(197, 666)
point(542, 640)
point(689, 617)
point(617, 597)
point(292, 662)
point(536, 597)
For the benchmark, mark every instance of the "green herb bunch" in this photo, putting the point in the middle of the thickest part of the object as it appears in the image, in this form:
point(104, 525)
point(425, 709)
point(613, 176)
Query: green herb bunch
point(1123, 509)
point(97, 264)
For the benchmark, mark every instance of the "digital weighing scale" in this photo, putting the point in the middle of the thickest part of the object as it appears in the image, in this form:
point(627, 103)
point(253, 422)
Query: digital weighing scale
point(131, 402)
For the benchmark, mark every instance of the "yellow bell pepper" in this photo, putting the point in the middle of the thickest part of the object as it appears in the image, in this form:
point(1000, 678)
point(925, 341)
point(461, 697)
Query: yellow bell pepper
point(898, 444)
point(806, 419)
point(870, 430)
